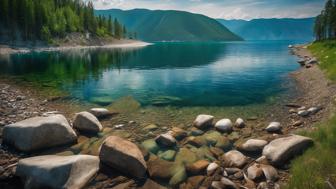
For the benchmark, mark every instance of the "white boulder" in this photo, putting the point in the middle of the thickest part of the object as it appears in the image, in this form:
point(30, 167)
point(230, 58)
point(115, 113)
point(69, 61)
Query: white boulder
point(87, 122)
point(224, 125)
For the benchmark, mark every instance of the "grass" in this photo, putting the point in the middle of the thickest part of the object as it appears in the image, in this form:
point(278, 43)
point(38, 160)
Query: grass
point(325, 51)
point(316, 168)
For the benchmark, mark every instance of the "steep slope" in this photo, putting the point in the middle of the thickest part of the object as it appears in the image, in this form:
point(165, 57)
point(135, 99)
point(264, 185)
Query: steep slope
point(171, 25)
point(272, 29)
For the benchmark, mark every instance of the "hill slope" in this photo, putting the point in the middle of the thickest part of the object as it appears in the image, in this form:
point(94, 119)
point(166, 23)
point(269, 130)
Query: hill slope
point(272, 29)
point(171, 25)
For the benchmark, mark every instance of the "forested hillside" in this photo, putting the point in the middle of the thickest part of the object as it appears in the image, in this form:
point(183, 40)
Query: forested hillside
point(171, 25)
point(48, 19)
point(325, 24)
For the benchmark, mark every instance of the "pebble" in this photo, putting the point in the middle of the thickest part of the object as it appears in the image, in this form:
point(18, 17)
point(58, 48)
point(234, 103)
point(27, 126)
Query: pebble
point(273, 127)
point(303, 113)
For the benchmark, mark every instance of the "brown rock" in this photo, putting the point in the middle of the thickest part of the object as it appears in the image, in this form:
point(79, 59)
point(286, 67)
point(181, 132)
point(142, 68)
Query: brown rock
point(198, 167)
point(124, 156)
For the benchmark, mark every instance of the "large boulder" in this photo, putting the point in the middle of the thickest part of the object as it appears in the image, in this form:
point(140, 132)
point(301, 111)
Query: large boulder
point(282, 149)
point(87, 122)
point(124, 156)
point(53, 171)
point(224, 125)
point(39, 133)
point(203, 121)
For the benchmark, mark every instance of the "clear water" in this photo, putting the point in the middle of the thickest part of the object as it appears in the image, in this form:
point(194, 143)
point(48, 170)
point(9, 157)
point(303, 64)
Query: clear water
point(181, 74)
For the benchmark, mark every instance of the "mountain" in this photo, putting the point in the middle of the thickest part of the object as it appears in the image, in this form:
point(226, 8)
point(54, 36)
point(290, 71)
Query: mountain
point(272, 29)
point(170, 25)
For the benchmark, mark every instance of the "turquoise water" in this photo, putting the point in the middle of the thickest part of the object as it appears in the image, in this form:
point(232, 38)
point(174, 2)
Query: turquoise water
point(181, 74)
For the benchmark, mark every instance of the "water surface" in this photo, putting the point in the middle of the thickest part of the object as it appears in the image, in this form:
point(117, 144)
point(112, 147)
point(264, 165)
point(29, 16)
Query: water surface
point(178, 74)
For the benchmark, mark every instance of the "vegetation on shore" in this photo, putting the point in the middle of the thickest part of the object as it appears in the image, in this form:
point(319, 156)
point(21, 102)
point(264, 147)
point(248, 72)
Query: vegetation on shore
point(325, 23)
point(49, 19)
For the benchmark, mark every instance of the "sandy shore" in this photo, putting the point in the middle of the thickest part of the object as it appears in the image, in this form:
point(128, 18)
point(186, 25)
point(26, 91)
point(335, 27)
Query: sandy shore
point(124, 44)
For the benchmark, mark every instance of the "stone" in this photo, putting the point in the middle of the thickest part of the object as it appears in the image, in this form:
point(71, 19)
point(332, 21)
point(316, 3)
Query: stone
point(217, 185)
point(203, 121)
point(231, 171)
point(253, 145)
point(196, 132)
point(270, 173)
point(228, 183)
point(185, 156)
point(297, 123)
point(312, 61)
point(179, 177)
point(248, 182)
point(235, 158)
point(303, 113)
point(217, 152)
point(166, 140)
point(168, 155)
point(39, 133)
point(273, 127)
point(100, 112)
point(53, 171)
point(160, 169)
point(178, 133)
point(262, 160)
point(281, 150)
point(313, 110)
point(255, 172)
point(198, 167)
point(124, 156)
point(224, 125)
point(224, 143)
point(212, 167)
point(196, 141)
point(196, 181)
point(240, 123)
point(211, 137)
point(151, 127)
point(87, 122)
point(151, 146)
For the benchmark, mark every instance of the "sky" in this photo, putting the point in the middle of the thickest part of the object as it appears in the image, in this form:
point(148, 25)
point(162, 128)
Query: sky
point(227, 9)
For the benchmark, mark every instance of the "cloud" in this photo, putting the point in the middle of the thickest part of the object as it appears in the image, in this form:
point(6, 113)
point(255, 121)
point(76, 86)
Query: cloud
point(229, 9)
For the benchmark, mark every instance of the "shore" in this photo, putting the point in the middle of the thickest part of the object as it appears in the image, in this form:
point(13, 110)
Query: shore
point(113, 43)
point(314, 90)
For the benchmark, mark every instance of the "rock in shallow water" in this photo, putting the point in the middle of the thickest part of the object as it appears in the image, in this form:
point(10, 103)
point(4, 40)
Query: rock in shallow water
point(240, 123)
point(100, 112)
point(203, 121)
point(281, 150)
point(57, 171)
point(166, 140)
point(253, 145)
point(87, 122)
point(39, 133)
point(235, 158)
point(124, 156)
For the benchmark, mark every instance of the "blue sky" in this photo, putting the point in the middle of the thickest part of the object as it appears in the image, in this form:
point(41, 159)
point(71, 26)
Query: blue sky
point(228, 9)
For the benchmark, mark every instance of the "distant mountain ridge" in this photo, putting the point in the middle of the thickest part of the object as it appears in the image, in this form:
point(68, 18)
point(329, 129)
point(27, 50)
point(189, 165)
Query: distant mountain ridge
point(171, 25)
point(272, 29)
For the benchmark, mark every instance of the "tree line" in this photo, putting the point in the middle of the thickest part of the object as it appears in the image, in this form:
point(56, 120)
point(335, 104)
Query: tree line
point(48, 19)
point(325, 23)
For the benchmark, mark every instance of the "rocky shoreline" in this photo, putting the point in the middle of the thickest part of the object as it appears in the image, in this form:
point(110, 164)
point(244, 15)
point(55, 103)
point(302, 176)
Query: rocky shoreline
point(211, 153)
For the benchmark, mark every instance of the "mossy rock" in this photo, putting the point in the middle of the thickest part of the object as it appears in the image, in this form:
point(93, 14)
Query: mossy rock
point(224, 143)
point(212, 137)
point(151, 146)
point(168, 155)
point(125, 105)
point(185, 157)
point(102, 101)
point(179, 177)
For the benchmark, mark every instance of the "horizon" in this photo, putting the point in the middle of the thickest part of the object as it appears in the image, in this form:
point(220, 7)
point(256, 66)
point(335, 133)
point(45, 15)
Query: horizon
point(224, 9)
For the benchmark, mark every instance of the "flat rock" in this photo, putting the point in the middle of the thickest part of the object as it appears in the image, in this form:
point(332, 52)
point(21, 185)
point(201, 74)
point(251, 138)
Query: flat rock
point(203, 121)
point(253, 145)
point(273, 127)
point(39, 133)
point(224, 125)
point(53, 171)
point(282, 149)
point(87, 122)
point(198, 167)
point(235, 158)
point(124, 156)
point(100, 112)
point(166, 140)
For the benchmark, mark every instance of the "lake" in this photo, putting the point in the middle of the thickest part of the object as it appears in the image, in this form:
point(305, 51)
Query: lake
point(174, 74)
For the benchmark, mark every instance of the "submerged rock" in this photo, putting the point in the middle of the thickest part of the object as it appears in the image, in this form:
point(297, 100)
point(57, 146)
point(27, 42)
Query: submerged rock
point(240, 123)
point(39, 133)
point(281, 150)
point(273, 127)
point(124, 156)
point(151, 127)
point(224, 125)
point(168, 155)
point(53, 171)
point(198, 167)
point(203, 121)
point(87, 122)
point(178, 133)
